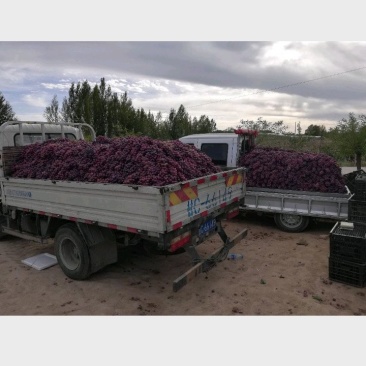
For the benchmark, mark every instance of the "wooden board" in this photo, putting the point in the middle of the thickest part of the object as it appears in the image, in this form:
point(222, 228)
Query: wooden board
point(9, 155)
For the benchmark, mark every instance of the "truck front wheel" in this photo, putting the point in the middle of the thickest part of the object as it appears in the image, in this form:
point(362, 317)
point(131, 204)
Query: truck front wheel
point(291, 223)
point(72, 252)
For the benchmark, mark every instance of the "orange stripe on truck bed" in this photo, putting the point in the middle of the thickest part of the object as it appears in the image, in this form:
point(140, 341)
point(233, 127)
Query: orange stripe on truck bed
point(183, 195)
point(234, 179)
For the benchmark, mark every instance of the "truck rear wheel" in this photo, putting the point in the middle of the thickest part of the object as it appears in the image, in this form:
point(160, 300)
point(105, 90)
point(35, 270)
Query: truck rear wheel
point(291, 223)
point(72, 252)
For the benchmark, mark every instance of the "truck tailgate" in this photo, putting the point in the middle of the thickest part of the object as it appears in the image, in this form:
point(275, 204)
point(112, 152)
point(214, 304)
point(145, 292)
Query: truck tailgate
point(200, 197)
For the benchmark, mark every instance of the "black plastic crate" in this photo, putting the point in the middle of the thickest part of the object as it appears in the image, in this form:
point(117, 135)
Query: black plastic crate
point(349, 245)
point(357, 211)
point(351, 177)
point(347, 272)
point(360, 188)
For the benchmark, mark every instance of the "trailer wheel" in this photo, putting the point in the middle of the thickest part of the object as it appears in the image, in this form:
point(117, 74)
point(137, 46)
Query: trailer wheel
point(291, 223)
point(72, 252)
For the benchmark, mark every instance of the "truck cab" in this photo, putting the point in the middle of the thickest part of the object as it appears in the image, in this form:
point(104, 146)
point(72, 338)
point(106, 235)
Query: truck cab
point(224, 148)
point(20, 133)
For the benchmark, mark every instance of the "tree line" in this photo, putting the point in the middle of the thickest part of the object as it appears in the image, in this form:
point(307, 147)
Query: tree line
point(112, 114)
point(346, 142)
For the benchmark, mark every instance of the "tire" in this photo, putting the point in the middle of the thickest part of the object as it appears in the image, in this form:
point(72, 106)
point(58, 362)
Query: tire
point(291, 223)
point(72, 252)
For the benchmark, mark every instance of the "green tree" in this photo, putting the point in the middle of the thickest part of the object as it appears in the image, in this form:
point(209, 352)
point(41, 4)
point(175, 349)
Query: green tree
point(264, 126)
point(113, 115)
point(98, 112)
point(162, 127)
point(52, 113)
point(76, 108)
point(6, 111)
point(203, 125)
point(227, 129)
point(298, 128)
point(315, 130)
point(122, 109)
point(349, 137)
point(178, 123)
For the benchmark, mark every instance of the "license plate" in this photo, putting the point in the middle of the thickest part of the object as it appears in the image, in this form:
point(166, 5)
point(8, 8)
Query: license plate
point(207, 227)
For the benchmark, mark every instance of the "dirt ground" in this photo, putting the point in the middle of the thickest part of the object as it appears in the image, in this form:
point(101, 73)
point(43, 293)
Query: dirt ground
point(280, 274)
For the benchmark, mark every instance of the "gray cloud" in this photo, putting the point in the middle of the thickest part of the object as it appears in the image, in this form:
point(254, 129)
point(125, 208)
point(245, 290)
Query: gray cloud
point(211, 77)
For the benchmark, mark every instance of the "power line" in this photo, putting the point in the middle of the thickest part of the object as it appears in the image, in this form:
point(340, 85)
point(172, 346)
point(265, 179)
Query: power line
point(280, 87)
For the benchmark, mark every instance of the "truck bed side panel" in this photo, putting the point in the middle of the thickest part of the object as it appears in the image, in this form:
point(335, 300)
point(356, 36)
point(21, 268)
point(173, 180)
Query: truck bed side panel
point(151, 209)
point(323, 205)
point(140, 208)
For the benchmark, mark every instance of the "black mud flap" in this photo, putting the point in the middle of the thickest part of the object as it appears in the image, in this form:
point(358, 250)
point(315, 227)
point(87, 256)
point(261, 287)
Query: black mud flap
point(102, 245)
point(204, 265)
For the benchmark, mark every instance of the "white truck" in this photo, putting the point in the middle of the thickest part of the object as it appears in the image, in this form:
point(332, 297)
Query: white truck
point(291, 210)
point(86, 221)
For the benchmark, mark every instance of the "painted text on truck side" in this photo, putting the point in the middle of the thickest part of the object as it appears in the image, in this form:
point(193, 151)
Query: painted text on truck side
point(211, 200)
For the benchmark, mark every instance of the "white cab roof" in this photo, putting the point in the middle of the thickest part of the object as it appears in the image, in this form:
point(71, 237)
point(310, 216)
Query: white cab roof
point(209, 135)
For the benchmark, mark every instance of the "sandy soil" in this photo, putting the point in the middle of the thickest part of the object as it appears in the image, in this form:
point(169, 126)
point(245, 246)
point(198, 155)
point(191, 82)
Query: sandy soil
point(280, 274)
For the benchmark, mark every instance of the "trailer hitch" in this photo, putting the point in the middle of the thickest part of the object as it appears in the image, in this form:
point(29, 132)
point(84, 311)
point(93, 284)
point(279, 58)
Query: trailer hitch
point(206, 264)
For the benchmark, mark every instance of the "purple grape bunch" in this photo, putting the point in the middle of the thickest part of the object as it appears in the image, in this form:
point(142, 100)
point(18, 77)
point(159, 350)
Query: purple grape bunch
point(134, 160)
point(277, 168)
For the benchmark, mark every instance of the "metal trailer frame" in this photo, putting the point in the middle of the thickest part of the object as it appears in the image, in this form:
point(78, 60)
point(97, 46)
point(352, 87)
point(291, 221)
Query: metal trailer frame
point(314, 204)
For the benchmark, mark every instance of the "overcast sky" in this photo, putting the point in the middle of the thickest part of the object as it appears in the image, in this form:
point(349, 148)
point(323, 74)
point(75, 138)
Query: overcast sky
point(224, 80)
point(307, 82)
point(216, 61)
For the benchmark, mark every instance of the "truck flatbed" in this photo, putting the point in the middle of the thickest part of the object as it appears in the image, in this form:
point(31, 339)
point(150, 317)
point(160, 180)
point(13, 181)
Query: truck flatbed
point(290, 207)
point(153, 210)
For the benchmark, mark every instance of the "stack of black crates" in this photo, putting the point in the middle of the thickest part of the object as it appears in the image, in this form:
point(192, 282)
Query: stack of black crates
point(347, 257)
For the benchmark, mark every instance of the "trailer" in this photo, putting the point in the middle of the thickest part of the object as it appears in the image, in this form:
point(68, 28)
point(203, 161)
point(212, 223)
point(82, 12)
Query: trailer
point(86, 221)
point(292, 210)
